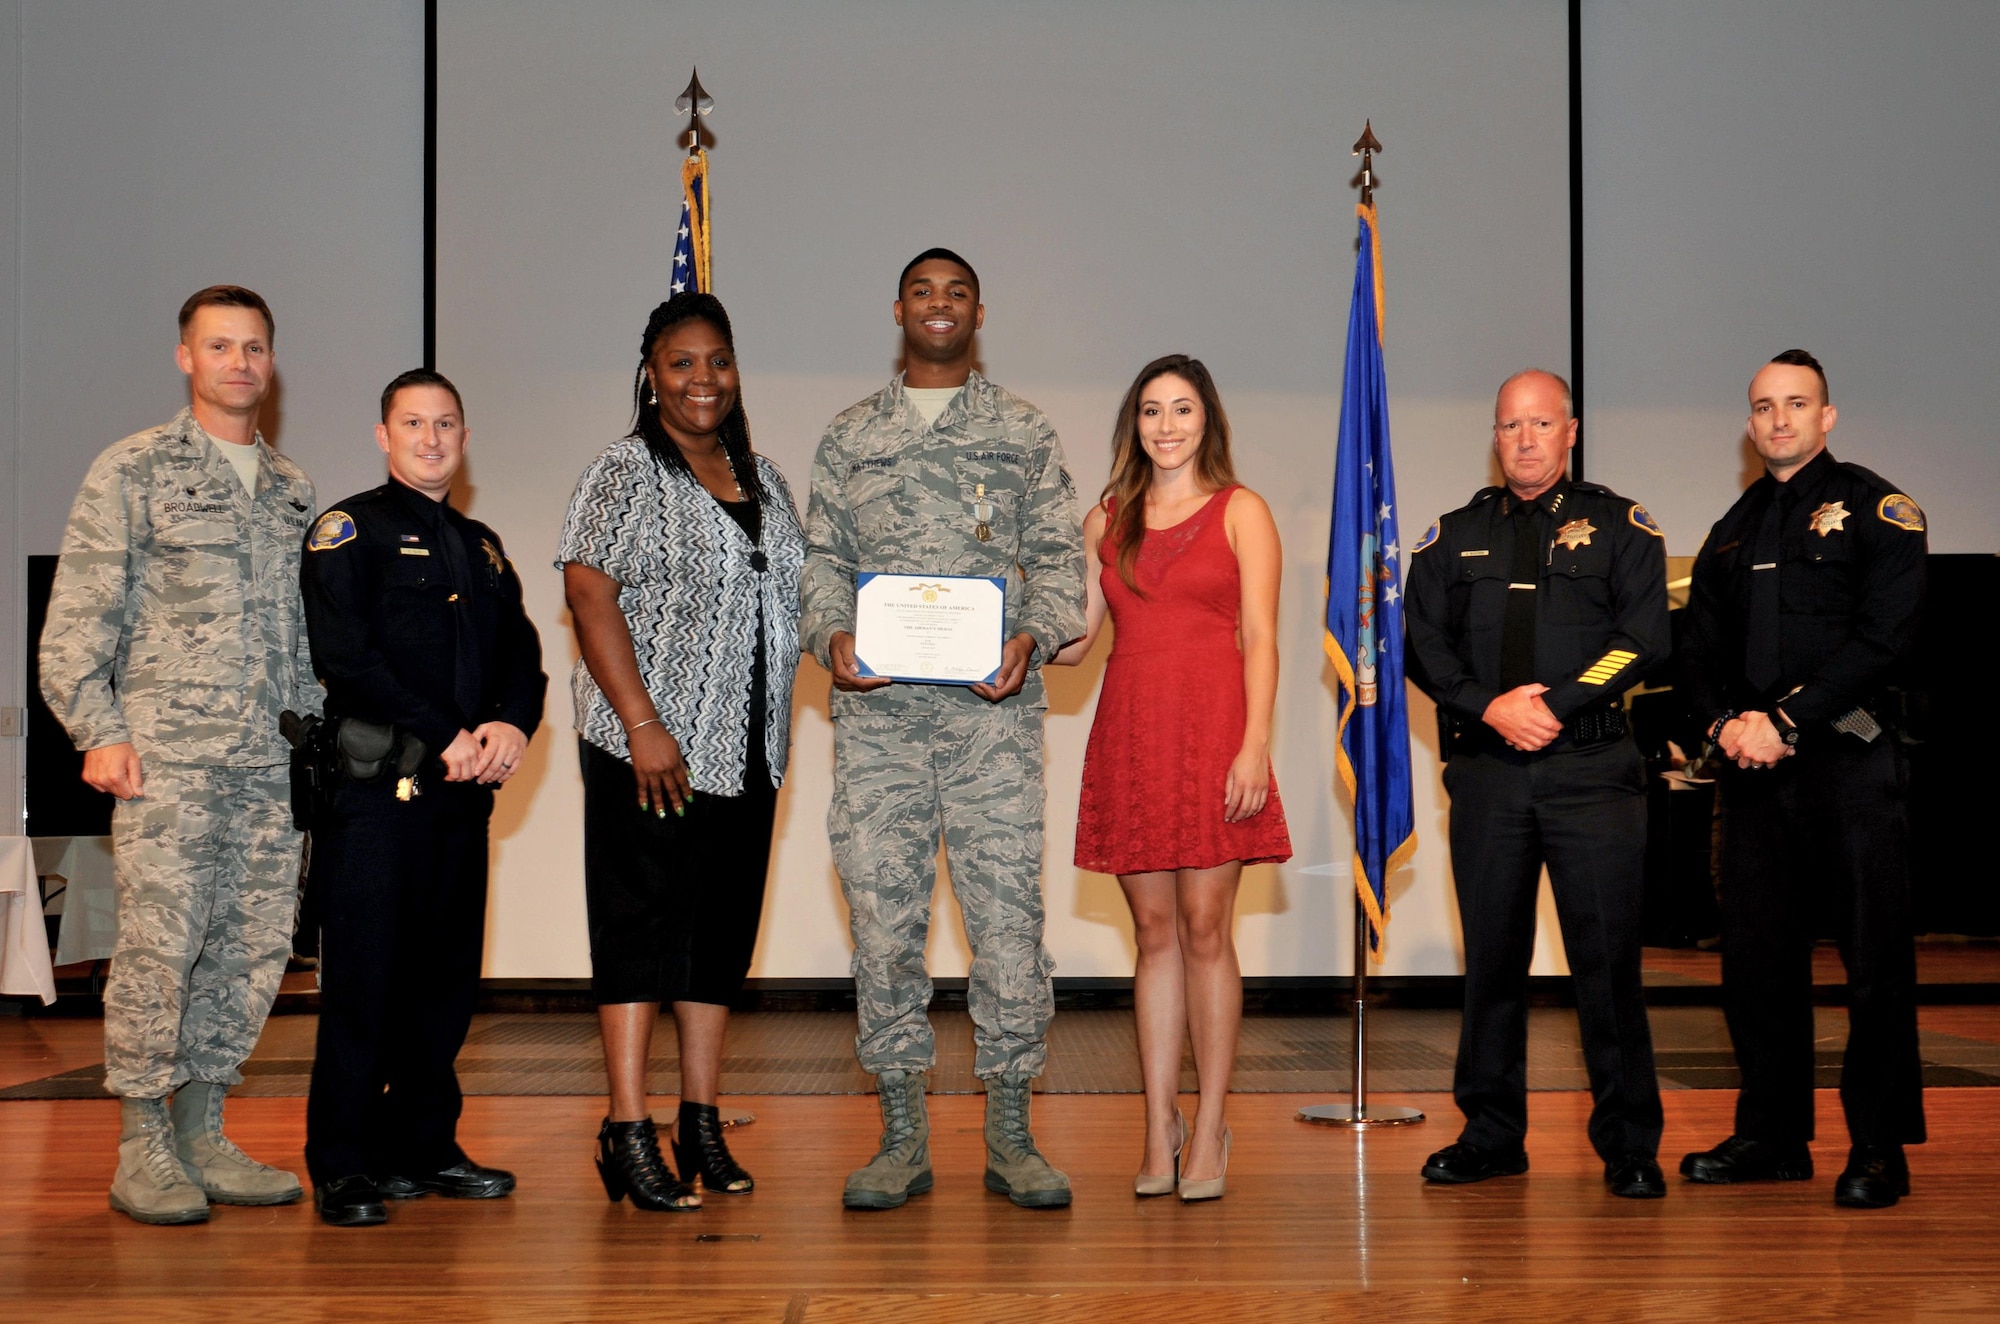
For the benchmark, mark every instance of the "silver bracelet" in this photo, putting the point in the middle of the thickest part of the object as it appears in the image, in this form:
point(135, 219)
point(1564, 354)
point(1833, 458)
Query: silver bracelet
point(650, 721)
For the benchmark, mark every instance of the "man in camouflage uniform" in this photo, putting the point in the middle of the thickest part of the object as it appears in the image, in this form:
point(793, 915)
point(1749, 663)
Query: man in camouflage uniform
point(174, 640)
point(944, 473)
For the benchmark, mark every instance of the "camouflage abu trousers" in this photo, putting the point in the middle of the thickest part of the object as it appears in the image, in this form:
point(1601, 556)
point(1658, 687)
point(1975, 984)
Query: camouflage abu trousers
point(208, 884)
point(973, 776)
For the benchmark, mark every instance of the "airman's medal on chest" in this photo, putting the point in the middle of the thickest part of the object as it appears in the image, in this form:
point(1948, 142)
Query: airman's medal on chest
point(982, 510)
point(1829, 518)
point(1575, 534)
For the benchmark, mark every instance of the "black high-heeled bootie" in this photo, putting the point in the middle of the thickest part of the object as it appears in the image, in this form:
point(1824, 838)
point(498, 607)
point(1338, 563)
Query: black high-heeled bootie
point(629, 1163)
point(700, 1150)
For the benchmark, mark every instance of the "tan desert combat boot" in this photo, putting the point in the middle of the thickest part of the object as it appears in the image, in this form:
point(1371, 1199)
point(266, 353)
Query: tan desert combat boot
point(151, 1186)
point(901, 1168)
point(1014, 1167)
point(225, 1173)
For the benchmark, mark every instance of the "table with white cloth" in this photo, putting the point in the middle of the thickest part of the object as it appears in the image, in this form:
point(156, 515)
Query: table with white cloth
point(24, 937)
point(87, 875)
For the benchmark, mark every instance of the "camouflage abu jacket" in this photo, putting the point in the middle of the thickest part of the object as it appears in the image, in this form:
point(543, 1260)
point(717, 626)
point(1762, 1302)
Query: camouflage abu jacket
point(892, 496)
point(175, 621)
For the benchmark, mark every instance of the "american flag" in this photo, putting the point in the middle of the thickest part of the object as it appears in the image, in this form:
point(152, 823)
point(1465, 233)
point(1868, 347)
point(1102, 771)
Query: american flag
point(685, 276)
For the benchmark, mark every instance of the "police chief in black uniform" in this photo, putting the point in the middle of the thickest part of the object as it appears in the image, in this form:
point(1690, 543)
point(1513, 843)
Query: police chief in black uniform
point(1800, 618)
point(1529, 612)
point(416, 621)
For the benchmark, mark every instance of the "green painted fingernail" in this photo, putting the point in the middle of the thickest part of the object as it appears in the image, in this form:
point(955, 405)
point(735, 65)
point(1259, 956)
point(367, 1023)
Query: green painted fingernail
point(660, 811)
point(680, 811)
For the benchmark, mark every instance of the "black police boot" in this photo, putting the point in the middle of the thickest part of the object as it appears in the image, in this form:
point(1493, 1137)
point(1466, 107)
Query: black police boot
point(351, 1201)
point(1740, 1159)
point(1459, 1163)
point(1876, 1177)
point(1635, 1177)
point(464, 1180)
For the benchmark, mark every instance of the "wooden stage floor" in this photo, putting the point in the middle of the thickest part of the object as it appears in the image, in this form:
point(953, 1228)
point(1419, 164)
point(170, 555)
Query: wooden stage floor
point(1318, 1225)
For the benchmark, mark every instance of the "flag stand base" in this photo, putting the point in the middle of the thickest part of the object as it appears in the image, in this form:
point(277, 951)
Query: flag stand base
point(1348, 1115)
point(1359, 1113)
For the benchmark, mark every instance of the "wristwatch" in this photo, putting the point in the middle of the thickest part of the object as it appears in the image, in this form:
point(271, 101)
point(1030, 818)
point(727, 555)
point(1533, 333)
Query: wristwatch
point(1788, 730)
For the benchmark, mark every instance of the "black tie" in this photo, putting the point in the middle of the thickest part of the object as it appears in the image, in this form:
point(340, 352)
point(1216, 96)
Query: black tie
point(466, 680)
point(1761, 655)
point(1517, 627)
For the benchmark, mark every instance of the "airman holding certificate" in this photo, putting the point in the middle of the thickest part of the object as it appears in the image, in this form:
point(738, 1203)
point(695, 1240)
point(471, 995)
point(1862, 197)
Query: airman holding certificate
point(943, 474)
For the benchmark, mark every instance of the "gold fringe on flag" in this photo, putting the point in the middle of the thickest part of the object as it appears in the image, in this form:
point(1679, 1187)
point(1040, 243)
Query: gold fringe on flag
point(694, 171)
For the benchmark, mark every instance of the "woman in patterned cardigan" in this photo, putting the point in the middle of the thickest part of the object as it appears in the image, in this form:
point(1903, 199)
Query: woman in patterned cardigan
point(680, 558)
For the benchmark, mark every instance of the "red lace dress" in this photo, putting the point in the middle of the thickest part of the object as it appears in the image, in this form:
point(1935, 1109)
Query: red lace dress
point(1170, 718)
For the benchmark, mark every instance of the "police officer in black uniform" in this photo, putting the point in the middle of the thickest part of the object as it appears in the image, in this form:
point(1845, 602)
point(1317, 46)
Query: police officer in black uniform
point(419, 635)
point(1529, 612)
point(1802, 611)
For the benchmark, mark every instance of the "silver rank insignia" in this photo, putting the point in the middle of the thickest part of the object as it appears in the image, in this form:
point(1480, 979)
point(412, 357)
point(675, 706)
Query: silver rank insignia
point(1575, 534)
point(1829, 518)
point(982, 510)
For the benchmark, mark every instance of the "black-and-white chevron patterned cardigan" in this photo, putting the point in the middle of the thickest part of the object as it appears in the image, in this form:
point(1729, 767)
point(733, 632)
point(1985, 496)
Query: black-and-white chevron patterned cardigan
point(690, 597)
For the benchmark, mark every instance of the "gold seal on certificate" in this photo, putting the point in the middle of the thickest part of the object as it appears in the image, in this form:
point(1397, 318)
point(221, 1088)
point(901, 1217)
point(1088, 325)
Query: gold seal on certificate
point(930, 629)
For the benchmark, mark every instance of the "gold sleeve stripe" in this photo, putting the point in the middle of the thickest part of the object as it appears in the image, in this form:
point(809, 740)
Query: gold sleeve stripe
point(1608, 666)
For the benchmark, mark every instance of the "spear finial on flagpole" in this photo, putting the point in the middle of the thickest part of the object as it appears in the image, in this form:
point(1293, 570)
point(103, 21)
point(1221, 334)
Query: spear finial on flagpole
point(1365, 147)
point(695, 103)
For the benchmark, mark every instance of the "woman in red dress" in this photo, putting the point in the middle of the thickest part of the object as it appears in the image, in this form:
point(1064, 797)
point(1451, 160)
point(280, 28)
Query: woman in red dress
point(1177, 787)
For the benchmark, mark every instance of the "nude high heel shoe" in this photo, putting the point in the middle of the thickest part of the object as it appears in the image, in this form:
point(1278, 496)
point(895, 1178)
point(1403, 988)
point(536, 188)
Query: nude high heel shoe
point(1147, 1184)
point(1209, 1188)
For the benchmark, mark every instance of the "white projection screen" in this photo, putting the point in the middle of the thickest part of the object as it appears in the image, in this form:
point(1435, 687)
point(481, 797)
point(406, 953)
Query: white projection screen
point(1131, 178)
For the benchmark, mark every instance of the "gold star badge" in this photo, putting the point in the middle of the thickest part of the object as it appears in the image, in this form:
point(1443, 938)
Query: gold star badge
point(1829, 518)
point(1575, 534)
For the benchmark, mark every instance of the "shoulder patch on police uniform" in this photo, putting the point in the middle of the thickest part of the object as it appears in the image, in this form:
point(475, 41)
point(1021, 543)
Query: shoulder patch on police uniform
point(1430, 536)
point(334, 529)
point(1641, 519)
point(1900, 511)
point(493, 557)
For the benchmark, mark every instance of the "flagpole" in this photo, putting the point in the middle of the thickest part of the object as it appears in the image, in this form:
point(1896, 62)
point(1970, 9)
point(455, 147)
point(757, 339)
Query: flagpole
point(695, 103)
point(1356, 1113)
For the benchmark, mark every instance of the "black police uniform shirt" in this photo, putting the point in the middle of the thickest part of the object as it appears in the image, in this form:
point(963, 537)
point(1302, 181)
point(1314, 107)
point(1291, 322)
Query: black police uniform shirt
point(415, 618)
point(1599, 595)
point(1851, 575)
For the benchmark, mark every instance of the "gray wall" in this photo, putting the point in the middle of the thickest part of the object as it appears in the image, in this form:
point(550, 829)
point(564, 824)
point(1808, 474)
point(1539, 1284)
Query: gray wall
point(1793, 172)
point(162, 147)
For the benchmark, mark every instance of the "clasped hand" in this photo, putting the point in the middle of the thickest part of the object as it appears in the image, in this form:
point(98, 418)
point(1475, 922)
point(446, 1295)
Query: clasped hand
point(1522, 719)
point(488, 755)
point(1752, 741)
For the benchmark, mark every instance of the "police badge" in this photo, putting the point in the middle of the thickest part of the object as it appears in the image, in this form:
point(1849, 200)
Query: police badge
point(1829, 518)
point(1575, 534)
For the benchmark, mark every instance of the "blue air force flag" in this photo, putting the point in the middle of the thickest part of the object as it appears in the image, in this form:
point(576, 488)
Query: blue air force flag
point(1364, 611)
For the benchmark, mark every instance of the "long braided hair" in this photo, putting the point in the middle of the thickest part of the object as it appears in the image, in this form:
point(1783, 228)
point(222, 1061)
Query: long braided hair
point(735, 431)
